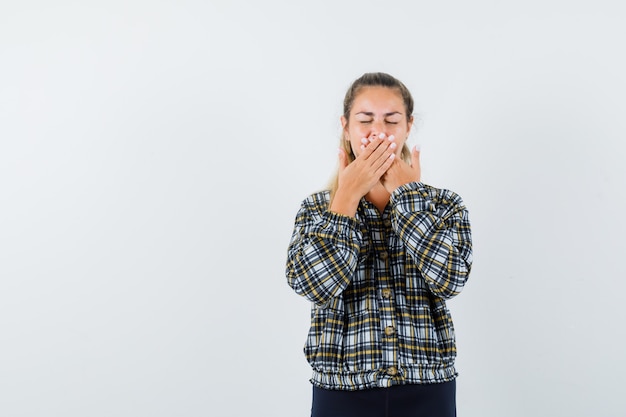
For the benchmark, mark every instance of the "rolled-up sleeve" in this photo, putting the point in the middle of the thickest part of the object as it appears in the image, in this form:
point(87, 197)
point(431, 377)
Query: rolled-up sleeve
point(323, 252)
point(435, 228)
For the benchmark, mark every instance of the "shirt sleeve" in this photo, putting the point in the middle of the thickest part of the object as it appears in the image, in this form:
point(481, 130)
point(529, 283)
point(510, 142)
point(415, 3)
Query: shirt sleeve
point(323, 252)
point(434, 225)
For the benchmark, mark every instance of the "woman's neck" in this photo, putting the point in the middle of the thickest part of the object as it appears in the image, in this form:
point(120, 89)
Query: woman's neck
point(378, 196)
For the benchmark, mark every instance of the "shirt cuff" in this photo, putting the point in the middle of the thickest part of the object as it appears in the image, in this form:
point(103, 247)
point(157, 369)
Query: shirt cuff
point(412, 197)
point(341, 223)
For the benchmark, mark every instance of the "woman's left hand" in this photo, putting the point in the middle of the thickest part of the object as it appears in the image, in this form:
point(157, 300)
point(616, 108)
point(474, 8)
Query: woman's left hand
point(401, 173)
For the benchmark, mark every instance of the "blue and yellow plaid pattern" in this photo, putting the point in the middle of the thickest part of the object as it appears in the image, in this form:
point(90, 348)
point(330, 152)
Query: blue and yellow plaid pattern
point(378, 285)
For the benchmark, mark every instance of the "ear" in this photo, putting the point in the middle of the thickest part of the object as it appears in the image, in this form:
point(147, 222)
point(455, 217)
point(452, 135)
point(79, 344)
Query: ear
point(409, 125)
point(344, 122)
point(344, 128)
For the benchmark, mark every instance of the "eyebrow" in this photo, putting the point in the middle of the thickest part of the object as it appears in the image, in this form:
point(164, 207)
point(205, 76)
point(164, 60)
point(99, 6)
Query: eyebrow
point(371, 114)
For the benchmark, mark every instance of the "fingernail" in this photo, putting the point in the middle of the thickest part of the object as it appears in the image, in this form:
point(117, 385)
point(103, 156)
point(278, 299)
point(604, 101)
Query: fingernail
point(417, 147)
point(392, 137)
point(362, 147)
point(364, 141)
point(392, 146)
point(393, 155)
point(382, 136)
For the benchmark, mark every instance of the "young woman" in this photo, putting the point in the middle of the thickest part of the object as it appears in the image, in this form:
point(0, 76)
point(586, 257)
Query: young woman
point(377, 255)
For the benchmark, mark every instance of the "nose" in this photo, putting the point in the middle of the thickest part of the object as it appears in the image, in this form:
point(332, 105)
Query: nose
point(378, 128)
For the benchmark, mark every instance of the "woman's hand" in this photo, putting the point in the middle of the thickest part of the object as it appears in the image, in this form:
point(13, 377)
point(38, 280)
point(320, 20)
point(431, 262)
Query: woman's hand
point(357, 178)
point(400, 173)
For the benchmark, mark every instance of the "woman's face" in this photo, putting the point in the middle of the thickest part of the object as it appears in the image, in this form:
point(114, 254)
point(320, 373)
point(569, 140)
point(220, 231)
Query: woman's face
point(377, 110)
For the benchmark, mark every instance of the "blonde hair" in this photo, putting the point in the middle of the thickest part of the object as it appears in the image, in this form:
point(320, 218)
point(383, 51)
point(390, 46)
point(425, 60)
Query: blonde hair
point(371, 79)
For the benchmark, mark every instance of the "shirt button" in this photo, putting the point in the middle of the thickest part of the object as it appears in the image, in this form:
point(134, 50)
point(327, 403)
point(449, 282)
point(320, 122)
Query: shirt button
point(390, 331)
point(387, 223)
point(383, 255)
point(392, 371)
point(386, 293)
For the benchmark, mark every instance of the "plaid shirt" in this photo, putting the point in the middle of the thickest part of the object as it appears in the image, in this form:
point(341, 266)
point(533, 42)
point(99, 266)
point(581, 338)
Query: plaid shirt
point(377, 283)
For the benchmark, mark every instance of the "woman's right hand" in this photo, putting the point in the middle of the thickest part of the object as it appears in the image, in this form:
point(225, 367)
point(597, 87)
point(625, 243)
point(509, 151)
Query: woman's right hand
point(357, 178)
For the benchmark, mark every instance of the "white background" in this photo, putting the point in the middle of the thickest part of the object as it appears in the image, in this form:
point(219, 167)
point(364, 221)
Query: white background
point(153, 155)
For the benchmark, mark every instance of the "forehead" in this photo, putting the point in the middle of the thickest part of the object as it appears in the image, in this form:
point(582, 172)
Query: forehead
point(378, 99)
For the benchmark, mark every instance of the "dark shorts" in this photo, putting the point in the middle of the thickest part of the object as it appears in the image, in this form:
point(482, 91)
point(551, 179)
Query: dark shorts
point(416, 400)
